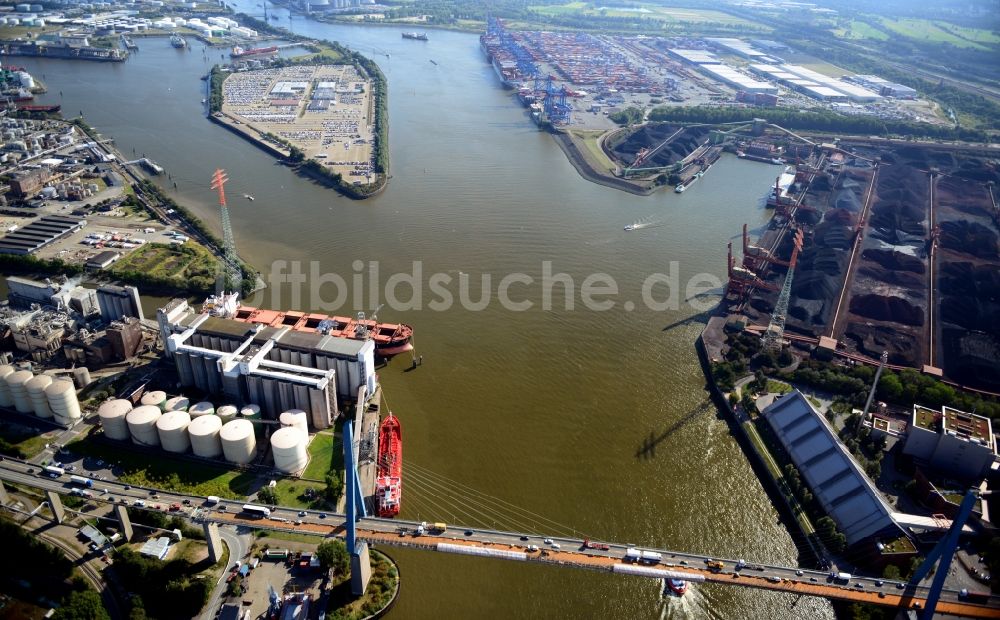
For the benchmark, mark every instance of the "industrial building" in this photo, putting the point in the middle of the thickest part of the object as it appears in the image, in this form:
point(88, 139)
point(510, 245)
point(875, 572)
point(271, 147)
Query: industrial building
point(103, 260)
point(118, 302)
point(952, 442)
point(276, 368)
point(883, 87)
point(833, 476)
point(125, 337)
point(39, 234)
point(739, 81)
point(814, 84)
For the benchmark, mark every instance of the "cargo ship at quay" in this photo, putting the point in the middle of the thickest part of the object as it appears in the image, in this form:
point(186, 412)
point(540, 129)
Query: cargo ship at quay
point(389, 480)
point(497, 53)
point(389, 338)
point(239, 52)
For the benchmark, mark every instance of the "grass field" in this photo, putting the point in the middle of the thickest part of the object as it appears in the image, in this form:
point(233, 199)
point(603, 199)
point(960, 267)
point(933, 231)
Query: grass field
point(164, 472)
point(858, 29)
point(325, 453)
point(182, 263)
point(27, 441)
point(290, 493)
point(927, 30)
point(646, 11)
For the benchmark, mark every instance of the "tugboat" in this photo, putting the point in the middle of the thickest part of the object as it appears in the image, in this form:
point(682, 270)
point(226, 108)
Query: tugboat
point(178, 41)
point(389, 480)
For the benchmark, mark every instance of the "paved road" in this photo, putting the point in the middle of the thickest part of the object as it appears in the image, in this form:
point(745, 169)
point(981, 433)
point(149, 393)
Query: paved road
point(239, 547)
point(564, 551)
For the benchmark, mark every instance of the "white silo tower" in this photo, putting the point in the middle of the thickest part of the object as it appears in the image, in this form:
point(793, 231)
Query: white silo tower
point(61, 395)
point(112, 413)
point(238, 441)
point(227, 413)
point(142, 425)
point(288, 445)
point(18, 392)
point(295, 418)
point(204, 432)
point(203, 408)
point(5, 398)
point(36, 393)
point(156, 398)
point(172, 429)
point(177, 403)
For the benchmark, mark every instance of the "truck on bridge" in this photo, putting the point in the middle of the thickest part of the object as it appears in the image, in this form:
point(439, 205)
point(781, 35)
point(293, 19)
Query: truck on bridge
point(80, 480)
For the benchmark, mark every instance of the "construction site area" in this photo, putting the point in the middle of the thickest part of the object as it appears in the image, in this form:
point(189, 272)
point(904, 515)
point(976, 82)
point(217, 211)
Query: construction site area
point(325, 111)
point(877, 246)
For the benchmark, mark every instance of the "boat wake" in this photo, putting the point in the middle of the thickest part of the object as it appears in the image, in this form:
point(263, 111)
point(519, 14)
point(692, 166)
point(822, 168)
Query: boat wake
point(691, 605)
point(640, 224)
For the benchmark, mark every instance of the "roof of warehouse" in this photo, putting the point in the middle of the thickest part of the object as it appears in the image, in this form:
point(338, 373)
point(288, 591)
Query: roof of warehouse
point(836, 480)
point(224, 327)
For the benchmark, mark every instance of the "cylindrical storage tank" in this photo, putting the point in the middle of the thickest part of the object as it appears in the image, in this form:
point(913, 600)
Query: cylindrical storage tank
point(227, 413)
point(81, 377)
point(156, 398)
point(36, 392)
point(172, 429)
point(252, 413)
point(200, 409)
point(112, 413)
point(61, 395)
point(204, 432)
point(177, 403)
point(238, 441)
point(142, 425)
point(5, 398)
point(288, 445)
point(296, 418)
point(18, 392)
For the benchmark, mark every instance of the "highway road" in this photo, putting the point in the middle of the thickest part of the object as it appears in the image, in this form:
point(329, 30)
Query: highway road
point(556, 550)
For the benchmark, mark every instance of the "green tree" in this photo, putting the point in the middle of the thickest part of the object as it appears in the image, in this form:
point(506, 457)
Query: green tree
point(892, 572)
point(84, 605)
point(267, 495)
point(333, 556)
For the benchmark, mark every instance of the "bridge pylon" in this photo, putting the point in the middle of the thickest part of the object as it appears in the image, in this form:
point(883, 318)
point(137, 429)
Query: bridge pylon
point(361, 569)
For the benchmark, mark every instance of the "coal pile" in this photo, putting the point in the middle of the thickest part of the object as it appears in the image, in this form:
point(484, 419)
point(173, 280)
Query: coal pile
point(971, 296)
point(871, 340)
point(973, 356)
point(887, 308)
point(651, 136)
point(892, 276)
point(969, 238)
point(895, 261)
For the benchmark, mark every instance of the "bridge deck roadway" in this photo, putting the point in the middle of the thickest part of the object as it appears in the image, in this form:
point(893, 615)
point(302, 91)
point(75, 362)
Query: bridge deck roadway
point(581, 559)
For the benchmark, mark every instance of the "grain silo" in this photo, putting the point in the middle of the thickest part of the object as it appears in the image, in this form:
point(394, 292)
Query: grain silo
point(61, 395)
point(172, 429)
point(142, 425)
point(252, 414)
point(227, 413)
point(295, 418)
point(81, 377)
point(5, 398)
point(18, 392)
point(288, 445)
point(112, 413)
point(177, 403)
point(203, 408)
point(204, 432)
point(238, 441)
point(36, 393)
point(156, 398)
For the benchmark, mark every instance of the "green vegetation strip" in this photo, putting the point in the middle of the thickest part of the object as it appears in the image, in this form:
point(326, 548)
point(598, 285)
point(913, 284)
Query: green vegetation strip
point(188, 266)
point(779, 477)
point(164, 472)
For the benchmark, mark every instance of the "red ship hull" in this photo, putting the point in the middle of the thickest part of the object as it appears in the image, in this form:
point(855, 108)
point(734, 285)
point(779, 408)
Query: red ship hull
point(389, 480)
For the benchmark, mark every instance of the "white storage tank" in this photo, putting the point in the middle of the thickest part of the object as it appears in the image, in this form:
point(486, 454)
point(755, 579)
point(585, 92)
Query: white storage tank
point(177, 403)
point(156, 398)
point(227, 413)
point(200, 409)
point(238, 441)
point(288, 445)
point(172, 429)
point(112, 413)
point(5, 398)
point(204, 432)
point(61, 395)
point(252, 413)
point(142, 425)
point(18, 392)
point(295, 418)
point(36, 392)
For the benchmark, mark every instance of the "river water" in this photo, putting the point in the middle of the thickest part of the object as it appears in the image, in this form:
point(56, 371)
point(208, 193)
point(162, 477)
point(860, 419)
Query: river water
point(597, 420)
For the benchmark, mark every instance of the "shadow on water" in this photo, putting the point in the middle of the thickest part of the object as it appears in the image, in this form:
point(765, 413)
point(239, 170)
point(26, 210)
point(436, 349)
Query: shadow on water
point(647, 450)
point(701, 317)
